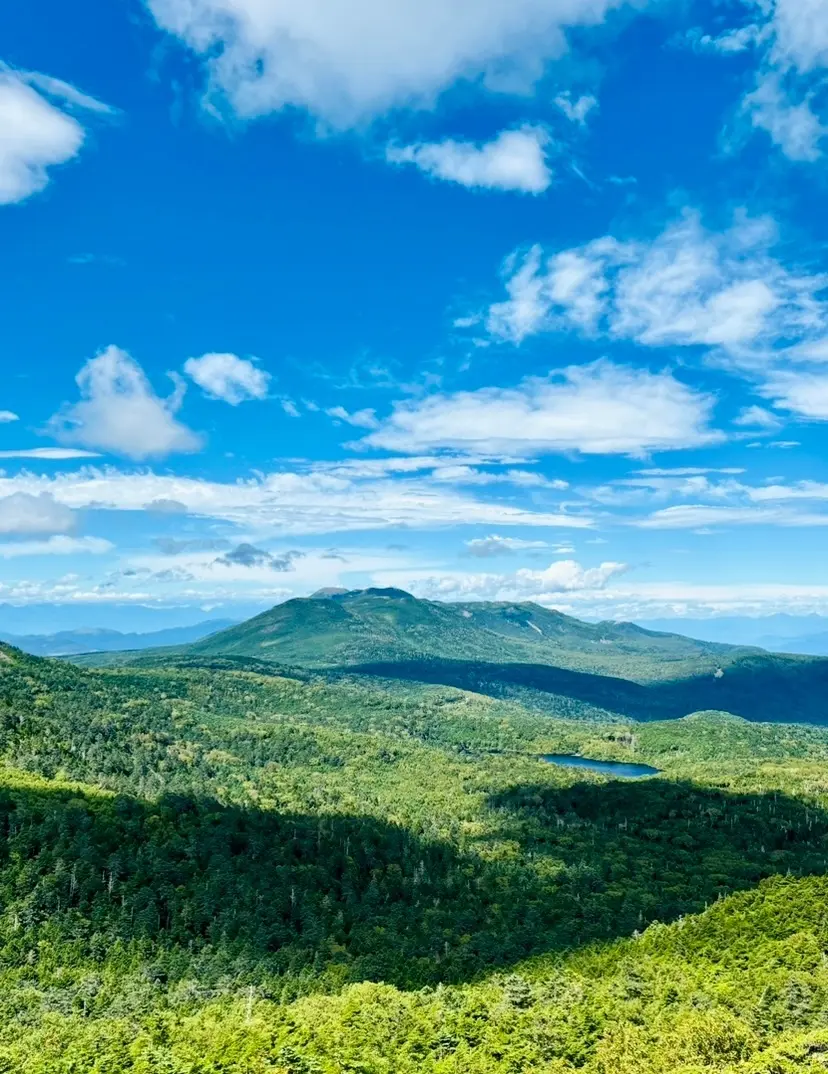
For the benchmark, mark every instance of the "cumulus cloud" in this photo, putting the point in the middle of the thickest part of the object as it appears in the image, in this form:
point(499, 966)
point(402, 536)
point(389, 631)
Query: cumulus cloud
point(561, 579)
point(228, 377)
point(515, 160)
point(348, 61)
point(599, 408)
point(34, 515)
point(7, 416)
point(37, 134)
point(120, 413)
point(567, 576)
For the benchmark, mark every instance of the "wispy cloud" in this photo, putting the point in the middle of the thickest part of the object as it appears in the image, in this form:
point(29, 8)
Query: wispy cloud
point(38, 132)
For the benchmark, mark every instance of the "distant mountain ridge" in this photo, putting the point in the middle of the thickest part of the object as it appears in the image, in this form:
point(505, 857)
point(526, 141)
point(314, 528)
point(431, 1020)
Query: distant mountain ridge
point(336, 629)
point(75, 642)
point(782, 632)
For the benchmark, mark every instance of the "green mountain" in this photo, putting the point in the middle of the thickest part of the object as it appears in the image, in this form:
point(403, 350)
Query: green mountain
point(375, 625)
point(541, 658)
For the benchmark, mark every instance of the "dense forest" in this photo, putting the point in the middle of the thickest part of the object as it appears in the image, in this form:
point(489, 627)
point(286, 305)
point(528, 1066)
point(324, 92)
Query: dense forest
point(222, 865)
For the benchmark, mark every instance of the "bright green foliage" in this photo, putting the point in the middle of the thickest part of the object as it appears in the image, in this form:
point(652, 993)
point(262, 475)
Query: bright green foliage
point(208, 869)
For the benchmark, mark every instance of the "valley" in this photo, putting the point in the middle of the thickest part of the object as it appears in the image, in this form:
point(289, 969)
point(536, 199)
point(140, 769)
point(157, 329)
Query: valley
point(215, 862)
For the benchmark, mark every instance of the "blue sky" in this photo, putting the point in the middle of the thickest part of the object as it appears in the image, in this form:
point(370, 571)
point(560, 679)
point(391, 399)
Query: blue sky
point(514, 299)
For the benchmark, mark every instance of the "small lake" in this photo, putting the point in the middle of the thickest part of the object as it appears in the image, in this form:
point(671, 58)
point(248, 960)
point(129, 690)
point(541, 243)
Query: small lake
point(620, 769)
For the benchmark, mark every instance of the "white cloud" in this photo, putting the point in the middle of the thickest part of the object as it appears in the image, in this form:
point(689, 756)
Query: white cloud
point(486, 547)
point(286, 503)
point(362, 419)
point(56, 546)
point(348, 61)
point(50, 454)
point(794, 127)
point(723, 292)
point(729, 43)
point(563, 577)
point(800, 34)
point(687, 287)
point(63, 91)
point(757, 417)
point(228, 377)
point(22, 513)
point(802, 490)
point(694, 516)
point(567, 576)
point(600, 408)
point(36, 134)
point(570, 286)
point(791, 73)
point(515, 160)
point(119, 412)
point(576, 110)
point(688, 471)
point(7, 416)
point(804, 393)
point(459, 474)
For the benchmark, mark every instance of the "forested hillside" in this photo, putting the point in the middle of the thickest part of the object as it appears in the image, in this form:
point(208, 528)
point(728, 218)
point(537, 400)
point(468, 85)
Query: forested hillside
point(363, 626)
point(541, 659)
point(207, 868)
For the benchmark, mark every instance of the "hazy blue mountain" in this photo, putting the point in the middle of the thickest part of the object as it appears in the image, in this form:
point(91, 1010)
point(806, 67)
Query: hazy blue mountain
point(807, 644)
point(73, 642)
point(768, 631)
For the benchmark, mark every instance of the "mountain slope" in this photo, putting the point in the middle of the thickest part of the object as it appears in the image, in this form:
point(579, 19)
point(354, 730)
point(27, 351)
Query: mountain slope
point(371, 625)
point(215, 870)
point(541, 658)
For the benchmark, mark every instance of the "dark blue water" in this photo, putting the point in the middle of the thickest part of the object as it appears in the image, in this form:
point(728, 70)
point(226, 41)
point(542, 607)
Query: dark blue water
point(620, 769)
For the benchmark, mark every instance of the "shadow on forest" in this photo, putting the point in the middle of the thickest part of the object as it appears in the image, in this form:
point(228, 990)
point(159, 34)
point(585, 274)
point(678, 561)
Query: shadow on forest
point(759, 687)
point(212, 891)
